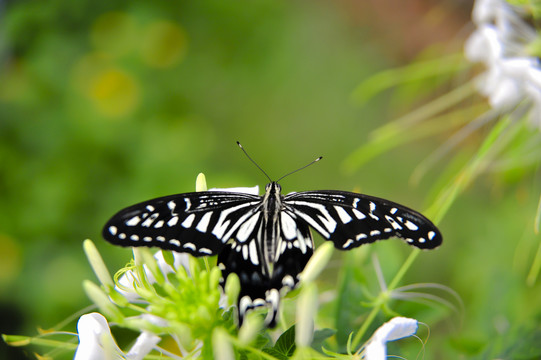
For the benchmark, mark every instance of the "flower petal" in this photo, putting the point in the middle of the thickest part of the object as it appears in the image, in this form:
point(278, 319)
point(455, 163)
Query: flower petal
point(395, 329)
point(143, 345)
point(95, 339)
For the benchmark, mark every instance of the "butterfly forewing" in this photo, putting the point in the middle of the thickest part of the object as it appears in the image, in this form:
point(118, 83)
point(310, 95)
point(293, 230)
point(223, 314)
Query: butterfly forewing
point(197, 223)
point(350, 220)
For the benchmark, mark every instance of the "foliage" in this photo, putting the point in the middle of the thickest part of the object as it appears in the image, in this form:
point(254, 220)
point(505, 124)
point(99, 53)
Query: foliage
point(104, 103)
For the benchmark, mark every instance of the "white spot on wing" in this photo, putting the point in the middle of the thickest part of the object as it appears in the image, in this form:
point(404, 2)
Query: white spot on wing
point(289, 228)
point(134, 237)
point(247, 227)
point(411, 225)
point(288, 281)
point(160, 238)
point(150, 220)
point(113, 230)
point(245, 252)
point(205, 251)
point(283, 246)
point(204, 222)
point(303, 242)
point(393, 222)
point(174, 220)
point(187, 223)
point(273, 298)
point(393, 211)
point(253, 253)
point(342, 214)
point(375, 232)
point(133, 221)
point(244, 303)
point(359, 215)
point(174, 242)
point(347, 244)
point(431, 235)
point(372, 208)
point(189, 246)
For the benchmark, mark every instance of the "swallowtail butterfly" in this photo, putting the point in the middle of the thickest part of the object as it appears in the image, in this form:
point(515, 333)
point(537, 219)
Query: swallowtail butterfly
point(266, 240)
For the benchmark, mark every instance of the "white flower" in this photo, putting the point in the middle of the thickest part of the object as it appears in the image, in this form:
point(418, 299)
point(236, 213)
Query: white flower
point(143, 345)
point(128, 278)
point(97, 343)
point(95, 339)
point(501, 41)
point(395, 329)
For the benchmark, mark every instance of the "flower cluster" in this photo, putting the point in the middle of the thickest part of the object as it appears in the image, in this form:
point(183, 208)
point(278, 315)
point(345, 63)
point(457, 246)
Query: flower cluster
point(166, 295)
point(504, 43)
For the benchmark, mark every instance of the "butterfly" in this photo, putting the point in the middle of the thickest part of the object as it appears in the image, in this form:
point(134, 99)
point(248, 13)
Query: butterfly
point(266, 240)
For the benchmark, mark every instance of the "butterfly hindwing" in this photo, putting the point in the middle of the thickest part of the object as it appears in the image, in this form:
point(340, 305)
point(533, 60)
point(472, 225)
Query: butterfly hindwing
point(196, 223)
point(350, 220)
point(257, 287)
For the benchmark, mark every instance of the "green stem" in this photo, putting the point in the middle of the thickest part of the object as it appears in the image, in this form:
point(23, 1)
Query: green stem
point(371, 316)
point(14, 340)
point(403, 269)
point(535, 268)
point(383, 297)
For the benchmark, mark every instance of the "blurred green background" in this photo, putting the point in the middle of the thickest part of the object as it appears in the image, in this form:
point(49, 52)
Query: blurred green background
point(108, 103)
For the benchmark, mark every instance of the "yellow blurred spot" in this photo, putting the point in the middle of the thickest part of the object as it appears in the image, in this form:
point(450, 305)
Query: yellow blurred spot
point(10, 259)
point(114, 92)
point(42, 357)
point(88, 68)
point(114, 33)
point(163, 44)
point(14, 84)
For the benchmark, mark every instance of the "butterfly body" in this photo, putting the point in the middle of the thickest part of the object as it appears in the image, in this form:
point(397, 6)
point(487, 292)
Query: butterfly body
point(265, 240)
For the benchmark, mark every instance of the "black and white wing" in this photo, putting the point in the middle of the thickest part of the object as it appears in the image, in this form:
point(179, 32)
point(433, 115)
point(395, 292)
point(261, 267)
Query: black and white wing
point(260, 286)
point(198, 223)
point(350, 220)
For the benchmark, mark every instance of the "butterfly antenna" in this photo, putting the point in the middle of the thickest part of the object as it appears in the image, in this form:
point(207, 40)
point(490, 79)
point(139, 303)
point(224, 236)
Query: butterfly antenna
point(299, 169)
point(252, 160)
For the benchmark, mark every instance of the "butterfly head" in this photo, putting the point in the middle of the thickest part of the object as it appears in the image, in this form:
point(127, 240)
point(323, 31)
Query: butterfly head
point(273, 190)
point(273, 187)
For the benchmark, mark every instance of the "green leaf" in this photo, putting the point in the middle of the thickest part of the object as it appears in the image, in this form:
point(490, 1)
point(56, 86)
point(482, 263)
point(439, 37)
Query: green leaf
point(285, 345)
point(320, 336)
